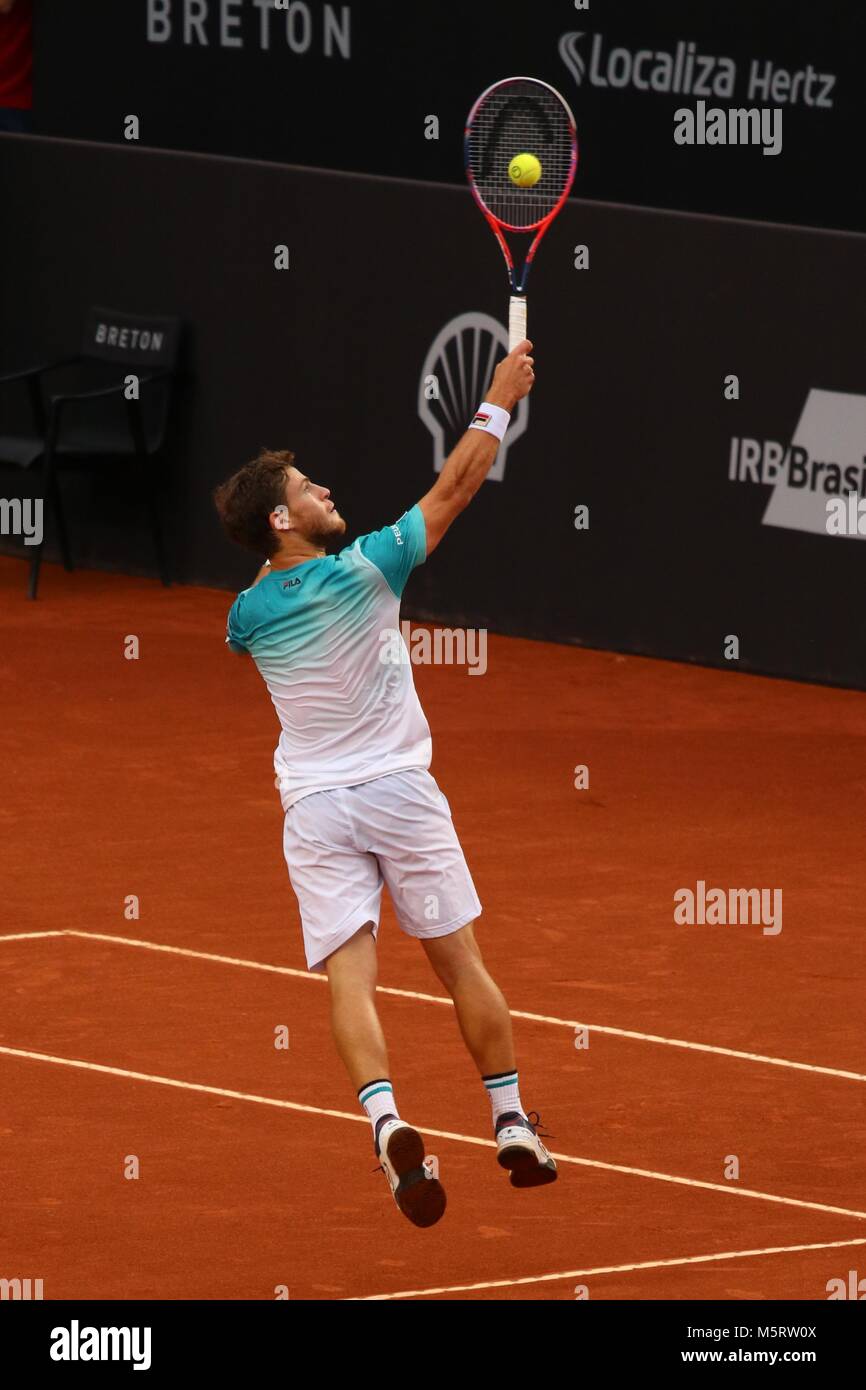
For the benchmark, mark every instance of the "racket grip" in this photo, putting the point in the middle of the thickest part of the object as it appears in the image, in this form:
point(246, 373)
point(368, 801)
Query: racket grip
point(516, 321)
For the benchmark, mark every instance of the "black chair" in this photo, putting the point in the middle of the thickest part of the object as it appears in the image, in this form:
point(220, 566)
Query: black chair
point(86, 428)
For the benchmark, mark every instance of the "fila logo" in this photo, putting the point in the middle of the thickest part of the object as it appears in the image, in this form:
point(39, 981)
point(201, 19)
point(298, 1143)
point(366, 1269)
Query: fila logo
point(291, 583)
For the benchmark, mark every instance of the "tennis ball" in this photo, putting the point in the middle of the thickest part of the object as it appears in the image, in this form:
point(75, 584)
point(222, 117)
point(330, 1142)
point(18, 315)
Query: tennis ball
point(524, 170)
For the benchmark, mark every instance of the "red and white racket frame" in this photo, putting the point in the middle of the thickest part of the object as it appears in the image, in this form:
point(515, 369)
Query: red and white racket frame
point(517, 304)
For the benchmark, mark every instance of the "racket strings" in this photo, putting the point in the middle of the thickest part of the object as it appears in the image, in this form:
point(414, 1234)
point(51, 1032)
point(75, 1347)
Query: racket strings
point(521, 118)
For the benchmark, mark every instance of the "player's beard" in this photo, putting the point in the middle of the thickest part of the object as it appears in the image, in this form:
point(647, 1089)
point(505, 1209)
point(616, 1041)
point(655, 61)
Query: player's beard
point(328, 532)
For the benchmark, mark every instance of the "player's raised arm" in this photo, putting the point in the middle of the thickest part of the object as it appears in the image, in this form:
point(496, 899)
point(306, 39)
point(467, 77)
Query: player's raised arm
point(468, 465)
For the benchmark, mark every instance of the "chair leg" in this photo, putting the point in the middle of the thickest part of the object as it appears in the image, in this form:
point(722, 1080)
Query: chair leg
point(153, 511)
point(60, 522)
point(35, 563)
point(50, 498)
point(36, 556)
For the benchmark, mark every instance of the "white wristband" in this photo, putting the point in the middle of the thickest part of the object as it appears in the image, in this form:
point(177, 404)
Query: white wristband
point(492, 419)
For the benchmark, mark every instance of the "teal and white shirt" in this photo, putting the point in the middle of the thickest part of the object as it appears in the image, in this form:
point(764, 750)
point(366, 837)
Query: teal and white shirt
point(323, 636)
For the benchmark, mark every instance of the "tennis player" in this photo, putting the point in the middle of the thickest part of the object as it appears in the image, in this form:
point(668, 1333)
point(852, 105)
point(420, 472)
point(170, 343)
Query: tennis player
point(361, 808)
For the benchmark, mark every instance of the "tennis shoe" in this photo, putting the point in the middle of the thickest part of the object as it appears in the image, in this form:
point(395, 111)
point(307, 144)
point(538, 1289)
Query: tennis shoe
point(400, 1150)
point(521, 1151)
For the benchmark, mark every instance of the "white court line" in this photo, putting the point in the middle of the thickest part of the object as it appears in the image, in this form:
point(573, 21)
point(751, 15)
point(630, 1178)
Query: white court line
point(605, 1269)
point(424, 1129)
point(33, 935)
point(571, 1024)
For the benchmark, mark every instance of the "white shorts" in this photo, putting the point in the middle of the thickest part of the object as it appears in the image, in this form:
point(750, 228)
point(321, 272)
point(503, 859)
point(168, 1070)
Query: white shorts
point(341, 846)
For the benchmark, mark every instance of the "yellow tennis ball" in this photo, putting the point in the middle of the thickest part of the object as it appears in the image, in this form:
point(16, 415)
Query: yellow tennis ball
point(524, 170)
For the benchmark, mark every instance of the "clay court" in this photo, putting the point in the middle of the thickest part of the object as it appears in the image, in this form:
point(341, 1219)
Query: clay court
point(154, 1036)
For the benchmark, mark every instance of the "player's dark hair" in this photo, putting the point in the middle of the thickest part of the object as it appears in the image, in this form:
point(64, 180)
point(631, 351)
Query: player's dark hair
point(245, 501)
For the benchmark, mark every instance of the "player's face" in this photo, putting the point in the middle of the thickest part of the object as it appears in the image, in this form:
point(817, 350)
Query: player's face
point(312, 514)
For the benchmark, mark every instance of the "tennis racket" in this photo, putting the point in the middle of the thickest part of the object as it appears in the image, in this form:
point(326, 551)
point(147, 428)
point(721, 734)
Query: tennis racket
point(520, 116)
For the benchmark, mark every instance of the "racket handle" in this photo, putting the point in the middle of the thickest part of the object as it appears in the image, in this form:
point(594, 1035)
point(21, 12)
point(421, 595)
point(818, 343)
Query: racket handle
point(516, 321)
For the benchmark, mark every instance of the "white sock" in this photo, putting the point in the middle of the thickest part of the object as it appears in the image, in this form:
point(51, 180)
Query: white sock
point(504, 1093)
point(377, 1098)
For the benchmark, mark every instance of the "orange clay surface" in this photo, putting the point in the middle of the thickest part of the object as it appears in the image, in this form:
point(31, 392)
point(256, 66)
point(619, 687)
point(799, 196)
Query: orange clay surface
point(153, 778)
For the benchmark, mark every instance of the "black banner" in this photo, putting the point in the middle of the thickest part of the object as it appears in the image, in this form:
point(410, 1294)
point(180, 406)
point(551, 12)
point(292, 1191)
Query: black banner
point(701, 393)
point(198, 1338)
point(381, 86)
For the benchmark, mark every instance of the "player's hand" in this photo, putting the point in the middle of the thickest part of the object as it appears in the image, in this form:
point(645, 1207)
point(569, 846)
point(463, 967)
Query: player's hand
point(513, 378)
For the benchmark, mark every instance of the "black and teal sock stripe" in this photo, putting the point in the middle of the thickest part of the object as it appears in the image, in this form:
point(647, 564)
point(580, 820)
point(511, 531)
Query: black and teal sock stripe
point(374, 1088)
point(500, 1079)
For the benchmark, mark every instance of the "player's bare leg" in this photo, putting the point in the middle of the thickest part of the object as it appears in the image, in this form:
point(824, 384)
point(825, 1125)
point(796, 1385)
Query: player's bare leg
point(485, 1023)
point(352, 975)
point(482, 1012)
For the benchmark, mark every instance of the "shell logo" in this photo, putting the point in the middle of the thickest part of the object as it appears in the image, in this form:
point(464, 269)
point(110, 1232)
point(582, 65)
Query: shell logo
point(455, 375)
